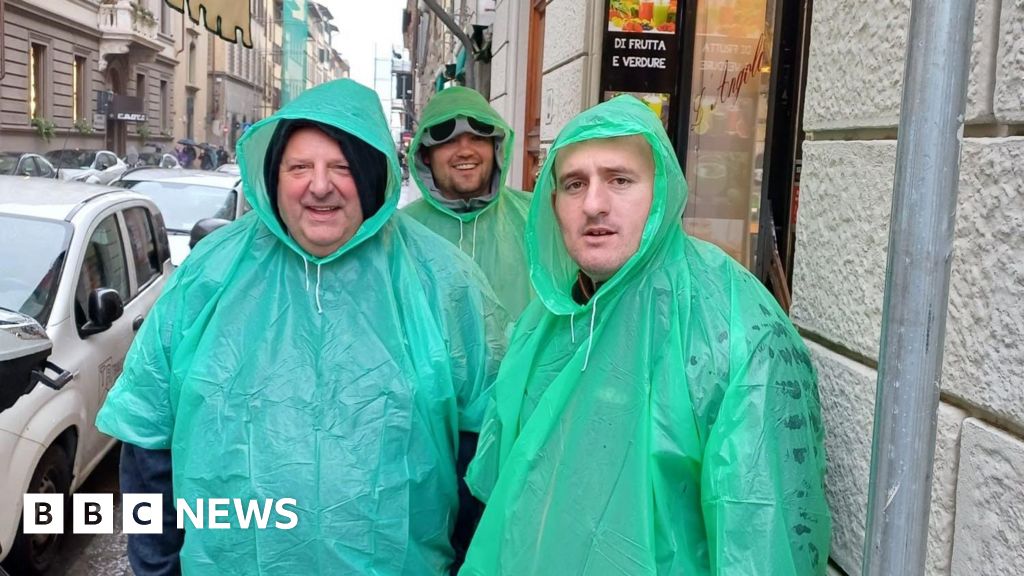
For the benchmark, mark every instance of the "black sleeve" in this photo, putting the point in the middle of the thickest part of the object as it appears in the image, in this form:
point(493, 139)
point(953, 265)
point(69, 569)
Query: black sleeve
point(470, 509)
point(149, 472)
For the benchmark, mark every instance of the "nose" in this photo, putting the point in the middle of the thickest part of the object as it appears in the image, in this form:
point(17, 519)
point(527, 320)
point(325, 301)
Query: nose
point(463, 142)
point(320, 183)
point(595, 200)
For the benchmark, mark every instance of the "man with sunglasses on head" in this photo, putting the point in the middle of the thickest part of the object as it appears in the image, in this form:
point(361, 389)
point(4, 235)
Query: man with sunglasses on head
point(459, 159)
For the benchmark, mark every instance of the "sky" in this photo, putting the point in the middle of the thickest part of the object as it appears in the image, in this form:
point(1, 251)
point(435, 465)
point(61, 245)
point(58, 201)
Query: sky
point(362, 24)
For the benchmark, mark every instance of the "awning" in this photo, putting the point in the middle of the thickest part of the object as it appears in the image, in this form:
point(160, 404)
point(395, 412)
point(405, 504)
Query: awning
point(439, 83)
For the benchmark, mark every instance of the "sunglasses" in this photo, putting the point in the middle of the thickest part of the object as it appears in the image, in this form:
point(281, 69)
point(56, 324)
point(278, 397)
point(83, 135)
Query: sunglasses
point(441, 133)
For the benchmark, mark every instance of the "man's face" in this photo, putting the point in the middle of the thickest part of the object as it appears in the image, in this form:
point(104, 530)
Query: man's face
point(462, 166)
point(602, 197)
point(316, 193)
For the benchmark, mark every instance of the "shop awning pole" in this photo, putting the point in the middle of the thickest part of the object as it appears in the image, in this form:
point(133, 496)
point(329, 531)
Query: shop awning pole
point(917, 286)
point(467, 42)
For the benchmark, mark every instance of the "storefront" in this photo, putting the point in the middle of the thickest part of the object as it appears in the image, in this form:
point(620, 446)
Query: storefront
point(725, 76)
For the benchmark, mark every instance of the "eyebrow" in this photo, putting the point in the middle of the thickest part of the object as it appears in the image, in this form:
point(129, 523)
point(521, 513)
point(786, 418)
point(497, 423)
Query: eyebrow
point(570, 175)
point(604, 171)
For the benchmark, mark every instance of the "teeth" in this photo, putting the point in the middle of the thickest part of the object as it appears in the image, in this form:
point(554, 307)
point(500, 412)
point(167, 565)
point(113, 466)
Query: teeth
point(464, 166)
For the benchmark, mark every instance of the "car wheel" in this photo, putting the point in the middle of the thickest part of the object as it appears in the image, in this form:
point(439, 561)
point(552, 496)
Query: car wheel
point(34, 553)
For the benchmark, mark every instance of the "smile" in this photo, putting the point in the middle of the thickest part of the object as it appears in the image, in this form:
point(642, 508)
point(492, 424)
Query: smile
point(466, 166)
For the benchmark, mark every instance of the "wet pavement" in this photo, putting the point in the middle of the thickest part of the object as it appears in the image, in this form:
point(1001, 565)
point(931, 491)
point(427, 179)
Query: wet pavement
point(97, 554)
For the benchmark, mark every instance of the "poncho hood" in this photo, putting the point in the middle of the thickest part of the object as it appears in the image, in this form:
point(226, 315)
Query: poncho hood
point(345, 105)
point(448, 104)
point(552, 270)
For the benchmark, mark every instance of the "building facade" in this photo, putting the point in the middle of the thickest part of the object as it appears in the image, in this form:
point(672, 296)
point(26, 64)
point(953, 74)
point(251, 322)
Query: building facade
point(809, 120)
point(83, 74)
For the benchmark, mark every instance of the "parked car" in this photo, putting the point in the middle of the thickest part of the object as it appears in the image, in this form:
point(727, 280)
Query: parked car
point(102, 166)
point(152, 159)
point(26, 164)
point(229, 169)
point(185, 198)
point(84, 264)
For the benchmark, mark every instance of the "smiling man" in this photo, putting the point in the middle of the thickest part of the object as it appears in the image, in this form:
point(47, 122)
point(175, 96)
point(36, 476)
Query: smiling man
point(321, 348)
point(656, 412)
point(460, 160)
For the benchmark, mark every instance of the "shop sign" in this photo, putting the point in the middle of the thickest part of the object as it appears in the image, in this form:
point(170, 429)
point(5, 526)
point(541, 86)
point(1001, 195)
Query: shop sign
point(125, 108)
point(641, 54)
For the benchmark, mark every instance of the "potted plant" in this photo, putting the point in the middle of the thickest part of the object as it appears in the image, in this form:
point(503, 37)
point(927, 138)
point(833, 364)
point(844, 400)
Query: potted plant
point(44, 128)
point(142, 15)
point(143, 131)
point(83, 126)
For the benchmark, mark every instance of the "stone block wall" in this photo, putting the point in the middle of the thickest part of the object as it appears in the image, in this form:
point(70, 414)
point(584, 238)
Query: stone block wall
point(854, 86)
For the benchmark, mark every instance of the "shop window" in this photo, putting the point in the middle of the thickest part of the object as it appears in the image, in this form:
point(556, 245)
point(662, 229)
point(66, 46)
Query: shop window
point(727, 122)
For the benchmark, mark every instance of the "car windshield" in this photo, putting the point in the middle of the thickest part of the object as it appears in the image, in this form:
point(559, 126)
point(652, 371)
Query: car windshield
point(73, 159)
point(32, 251)
point(185, 204)
point(8, 162)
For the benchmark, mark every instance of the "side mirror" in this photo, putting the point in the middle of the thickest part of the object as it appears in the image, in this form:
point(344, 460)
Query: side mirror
point(105, 306)
point(203, 228)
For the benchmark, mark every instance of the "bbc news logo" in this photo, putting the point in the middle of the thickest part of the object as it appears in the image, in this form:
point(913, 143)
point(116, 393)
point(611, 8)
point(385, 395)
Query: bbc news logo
point(143, 513)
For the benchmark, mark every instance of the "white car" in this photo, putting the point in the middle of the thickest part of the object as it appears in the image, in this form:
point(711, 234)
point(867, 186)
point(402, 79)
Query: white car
point(185, 197)
point(82, 165)
point(86, 263)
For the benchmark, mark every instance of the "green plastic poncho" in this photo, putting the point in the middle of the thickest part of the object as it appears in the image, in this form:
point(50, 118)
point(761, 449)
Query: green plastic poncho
point(493, 233)
point(353, 412)
point(669, 426)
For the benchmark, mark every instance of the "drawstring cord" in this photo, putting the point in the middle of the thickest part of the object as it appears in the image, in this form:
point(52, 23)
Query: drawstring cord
point(460, 232)
point(572, 326)
point(590, 341)
point(475, 220)
point(321, 310)
point(305, 265)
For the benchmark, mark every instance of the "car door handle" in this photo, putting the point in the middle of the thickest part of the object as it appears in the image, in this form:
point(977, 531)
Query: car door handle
point(137, 323)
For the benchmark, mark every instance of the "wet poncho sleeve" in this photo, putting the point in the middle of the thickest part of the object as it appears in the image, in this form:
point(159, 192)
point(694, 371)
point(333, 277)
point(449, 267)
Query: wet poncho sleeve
point(140, 410)
point(761, 492)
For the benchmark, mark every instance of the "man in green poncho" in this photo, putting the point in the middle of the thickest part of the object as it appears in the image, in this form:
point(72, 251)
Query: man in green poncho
point(656, 412)
point(460, 159)
point(322, 349)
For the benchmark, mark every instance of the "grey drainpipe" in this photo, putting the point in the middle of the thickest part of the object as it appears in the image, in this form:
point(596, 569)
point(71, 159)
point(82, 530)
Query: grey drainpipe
point(917, 286)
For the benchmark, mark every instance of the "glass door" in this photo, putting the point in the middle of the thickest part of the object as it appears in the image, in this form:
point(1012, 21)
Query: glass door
point(727, 119)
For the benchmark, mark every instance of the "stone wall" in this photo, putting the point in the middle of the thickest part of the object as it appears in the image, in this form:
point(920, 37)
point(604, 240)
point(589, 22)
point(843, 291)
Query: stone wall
point(854, 86)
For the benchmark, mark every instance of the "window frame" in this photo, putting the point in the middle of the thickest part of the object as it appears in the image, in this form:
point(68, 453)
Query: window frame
point(115, 213)
point(136, 286)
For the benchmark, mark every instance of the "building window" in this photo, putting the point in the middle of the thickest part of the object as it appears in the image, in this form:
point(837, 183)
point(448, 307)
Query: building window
point(192, 63)
point(165, 106)
point(165, 18)
point(78, 90)
point(36, 81)
point(140, 90)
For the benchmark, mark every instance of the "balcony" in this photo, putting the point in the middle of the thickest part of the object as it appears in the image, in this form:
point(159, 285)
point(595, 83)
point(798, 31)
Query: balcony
point(127, 28)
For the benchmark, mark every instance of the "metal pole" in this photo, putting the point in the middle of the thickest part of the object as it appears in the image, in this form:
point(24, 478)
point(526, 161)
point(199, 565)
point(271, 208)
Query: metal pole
point(467, 42)
point(917, 286)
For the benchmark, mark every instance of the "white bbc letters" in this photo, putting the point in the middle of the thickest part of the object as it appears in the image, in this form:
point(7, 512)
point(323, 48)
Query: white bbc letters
point(92, 514)
point(142, 513)
point(43, 513)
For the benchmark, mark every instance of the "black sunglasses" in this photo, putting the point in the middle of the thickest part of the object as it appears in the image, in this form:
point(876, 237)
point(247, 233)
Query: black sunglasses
point(443, 131)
